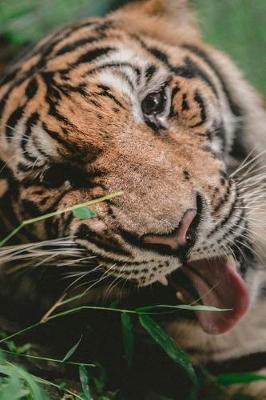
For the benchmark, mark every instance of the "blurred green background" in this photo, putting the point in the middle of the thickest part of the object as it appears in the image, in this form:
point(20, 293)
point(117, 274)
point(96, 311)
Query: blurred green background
point(235, 26)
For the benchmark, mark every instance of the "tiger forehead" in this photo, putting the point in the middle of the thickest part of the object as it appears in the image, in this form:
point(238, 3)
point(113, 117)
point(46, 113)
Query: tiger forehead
point(96, 50)
point(80, 52)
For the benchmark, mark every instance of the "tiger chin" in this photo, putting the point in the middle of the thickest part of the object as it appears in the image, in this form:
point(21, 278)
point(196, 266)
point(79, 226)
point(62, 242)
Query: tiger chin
point(138, 102)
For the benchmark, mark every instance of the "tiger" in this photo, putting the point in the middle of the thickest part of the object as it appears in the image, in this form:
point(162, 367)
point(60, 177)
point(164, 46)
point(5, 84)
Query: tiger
point(137, 102)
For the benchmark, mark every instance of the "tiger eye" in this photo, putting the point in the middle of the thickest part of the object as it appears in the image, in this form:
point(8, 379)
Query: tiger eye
point(154, 103)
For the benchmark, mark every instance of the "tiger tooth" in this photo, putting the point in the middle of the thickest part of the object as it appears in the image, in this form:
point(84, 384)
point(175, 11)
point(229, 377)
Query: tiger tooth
point(180, 296)
point(163, 280)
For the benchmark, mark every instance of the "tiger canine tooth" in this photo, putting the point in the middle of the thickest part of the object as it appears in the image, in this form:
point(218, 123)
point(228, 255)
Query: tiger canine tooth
point(163, 280)
point(180, 296)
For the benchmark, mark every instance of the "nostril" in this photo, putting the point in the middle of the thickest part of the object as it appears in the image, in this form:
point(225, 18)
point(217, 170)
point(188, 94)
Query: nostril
point(184, 233)
point(182, 236)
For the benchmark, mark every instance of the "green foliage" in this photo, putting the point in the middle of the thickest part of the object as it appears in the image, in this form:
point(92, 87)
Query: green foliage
point(18, 384)
point(71, 351)
point(84, 213)
point(228, 379)
point(84, 380)
point(238, 28)
point(21, 21)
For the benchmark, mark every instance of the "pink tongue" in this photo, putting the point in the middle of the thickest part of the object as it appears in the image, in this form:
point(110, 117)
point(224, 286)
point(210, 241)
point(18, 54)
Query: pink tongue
point(218, 285)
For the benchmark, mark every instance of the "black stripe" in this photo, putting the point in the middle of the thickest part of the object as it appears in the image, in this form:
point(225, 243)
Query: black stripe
point(106, 93)
point(92, 55)
point(57, 37)
point(202, 54)
point(31, 121)
point(224, 222)
point(159, 54)
point(51, 87)
point(189, 70)
point(58, 138)
point(106, 244)
point(3, 101)
point(199, 100)
point(66, 89)
point(66, 223)
point(235, 230)
point(9, 77)
point(76, 44)
point(224, 199)
point(13, 87)
point(31, 88)
point(220, 132)
point(24, 167)
point(30, 208)
point(108, 259)
point(12, 121)
point(52, 224)
point(134, 240)
point(104, 25)
point(173, 111)
point(185, 104)
point(238, 150)
point(52, 97)
point(149, 73)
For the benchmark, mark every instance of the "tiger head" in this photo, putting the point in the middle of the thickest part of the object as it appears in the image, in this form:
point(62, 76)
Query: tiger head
point(136, 102)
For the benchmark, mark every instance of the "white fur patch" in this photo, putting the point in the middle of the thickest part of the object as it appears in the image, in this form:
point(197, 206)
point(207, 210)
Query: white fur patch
point(113, 77)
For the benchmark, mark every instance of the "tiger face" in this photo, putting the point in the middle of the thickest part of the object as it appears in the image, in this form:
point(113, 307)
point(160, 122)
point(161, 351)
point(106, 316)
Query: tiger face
point(103, 107)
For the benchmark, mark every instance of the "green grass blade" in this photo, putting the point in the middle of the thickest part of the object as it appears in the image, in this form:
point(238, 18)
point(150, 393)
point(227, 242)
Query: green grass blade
point(35, 389)
point(28, 328)
point(11, 235)
point(228, 379)
point(59, 387)
point(58, 212)
point(72, 208)
point(188, 307)
point(71, 351)
point(40, 358)
point(84, 380)
point(169, 346)
point(147, 310)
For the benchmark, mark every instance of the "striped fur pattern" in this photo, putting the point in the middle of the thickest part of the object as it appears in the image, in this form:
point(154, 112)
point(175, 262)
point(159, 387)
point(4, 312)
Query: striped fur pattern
point(73, 127)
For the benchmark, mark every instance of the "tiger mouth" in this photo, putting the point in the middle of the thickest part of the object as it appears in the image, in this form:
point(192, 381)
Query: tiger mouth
point(212, 282)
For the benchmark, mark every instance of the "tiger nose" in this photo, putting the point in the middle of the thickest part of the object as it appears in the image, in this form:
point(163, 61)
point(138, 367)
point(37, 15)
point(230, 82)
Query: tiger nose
point(182, 235)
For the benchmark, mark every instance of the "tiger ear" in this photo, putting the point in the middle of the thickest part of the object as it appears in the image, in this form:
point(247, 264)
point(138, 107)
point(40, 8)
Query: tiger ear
point(171, 21)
